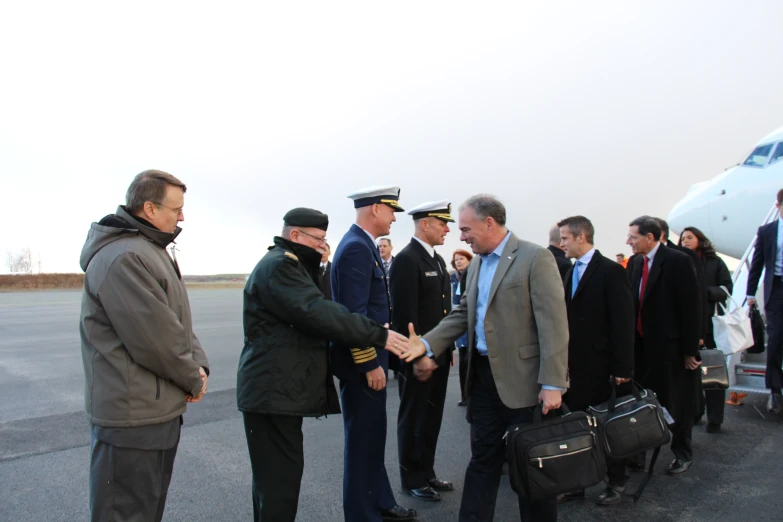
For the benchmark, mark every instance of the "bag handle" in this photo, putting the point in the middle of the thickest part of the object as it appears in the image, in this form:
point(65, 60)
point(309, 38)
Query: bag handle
point(613, 396)
point(538, 413)
point(722, 306)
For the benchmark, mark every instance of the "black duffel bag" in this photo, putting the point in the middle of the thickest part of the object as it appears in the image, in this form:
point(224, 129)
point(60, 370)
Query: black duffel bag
point(554, 455)
point(757, 326)
point(631, 425)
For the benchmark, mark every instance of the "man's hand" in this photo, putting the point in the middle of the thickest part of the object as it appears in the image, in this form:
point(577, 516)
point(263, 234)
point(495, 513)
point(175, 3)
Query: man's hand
point(204, 379)
point(423, 368)
point(551, 399)
point(416, 347)
point(396, 343)
point(751, 301)
point(701, 342)
point(453, 359)
point(691, 363)
point(621, 380)
point(376, 379)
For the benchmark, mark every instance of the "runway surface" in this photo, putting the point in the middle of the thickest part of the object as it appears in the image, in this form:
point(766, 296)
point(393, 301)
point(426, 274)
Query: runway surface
point(44, 440)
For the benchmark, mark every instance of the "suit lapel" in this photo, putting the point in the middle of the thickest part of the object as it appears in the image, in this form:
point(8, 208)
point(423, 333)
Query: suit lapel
point(592, 266)
point(471, 288)
point(655, 270)
point(568, 283)
point(431, 261)
point(506, 259)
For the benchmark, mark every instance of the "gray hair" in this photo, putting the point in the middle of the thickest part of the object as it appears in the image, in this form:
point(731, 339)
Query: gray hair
point(554, 235)
point(484, 206)
point(149, 185)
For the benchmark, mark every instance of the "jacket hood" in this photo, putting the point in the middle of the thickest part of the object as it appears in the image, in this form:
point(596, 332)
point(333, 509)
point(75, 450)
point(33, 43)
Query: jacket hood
point(117, 226)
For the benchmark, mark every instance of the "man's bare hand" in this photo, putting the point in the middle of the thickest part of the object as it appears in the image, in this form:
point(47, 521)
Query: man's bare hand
point(416, 347)
point(551, 400)
point(423, 368)
point(453, 359)
point(376, 379)
point(691, 363)
point(621, 380)
point(751, 301)
point(204, 379)
point(396, 343)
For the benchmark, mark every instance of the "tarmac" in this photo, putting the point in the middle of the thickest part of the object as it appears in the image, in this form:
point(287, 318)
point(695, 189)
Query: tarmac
point(44, 439)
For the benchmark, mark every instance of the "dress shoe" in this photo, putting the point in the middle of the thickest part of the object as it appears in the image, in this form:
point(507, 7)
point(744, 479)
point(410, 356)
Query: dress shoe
point(425, 493)
point(678, 466)
point(713, 428)
point(463, 402)
point(398, 513)
point(773, 403)
point(441, 485)
point(610, 496)
point(571, 495)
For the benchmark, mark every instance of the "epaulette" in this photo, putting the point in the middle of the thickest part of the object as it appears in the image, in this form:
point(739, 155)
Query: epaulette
point(292, 256)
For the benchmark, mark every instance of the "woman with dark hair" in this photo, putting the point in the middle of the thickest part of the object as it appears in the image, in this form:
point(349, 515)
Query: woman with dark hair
point(716, 275)
point(460, 261)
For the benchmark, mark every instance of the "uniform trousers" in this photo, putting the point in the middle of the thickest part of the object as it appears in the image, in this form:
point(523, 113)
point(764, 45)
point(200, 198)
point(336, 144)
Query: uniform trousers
point(366, 488)
point(490, 419)
point(276, 448)
point(773, 307)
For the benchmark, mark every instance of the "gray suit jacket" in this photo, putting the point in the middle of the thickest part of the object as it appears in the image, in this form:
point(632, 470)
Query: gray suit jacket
point(526, 324)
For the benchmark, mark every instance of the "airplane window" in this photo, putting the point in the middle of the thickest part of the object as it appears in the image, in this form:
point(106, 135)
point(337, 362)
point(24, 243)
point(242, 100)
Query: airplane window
point(778, 154)
point(758, 158)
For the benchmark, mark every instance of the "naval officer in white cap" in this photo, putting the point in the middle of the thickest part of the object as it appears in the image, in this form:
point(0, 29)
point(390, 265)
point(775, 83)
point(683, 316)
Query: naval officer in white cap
point(421, 295)
point(359, 283)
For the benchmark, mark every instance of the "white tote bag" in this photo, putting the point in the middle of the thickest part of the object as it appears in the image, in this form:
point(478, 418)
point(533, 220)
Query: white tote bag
point(732, 330)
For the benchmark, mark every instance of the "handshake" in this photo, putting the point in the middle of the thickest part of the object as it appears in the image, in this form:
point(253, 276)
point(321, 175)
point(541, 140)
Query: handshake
point(410, 349)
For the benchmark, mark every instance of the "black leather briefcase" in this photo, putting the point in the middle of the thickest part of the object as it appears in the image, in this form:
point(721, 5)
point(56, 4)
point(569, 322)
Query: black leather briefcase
point(554, 455)
point(714, 374)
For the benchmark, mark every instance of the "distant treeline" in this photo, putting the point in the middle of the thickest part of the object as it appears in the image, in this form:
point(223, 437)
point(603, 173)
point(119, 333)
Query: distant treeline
point(40, 281)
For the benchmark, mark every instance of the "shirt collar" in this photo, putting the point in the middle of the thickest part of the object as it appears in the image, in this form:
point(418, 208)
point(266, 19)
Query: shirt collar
point(654, 251)
point(585, 259)
point(499, 250)
point(430, 250)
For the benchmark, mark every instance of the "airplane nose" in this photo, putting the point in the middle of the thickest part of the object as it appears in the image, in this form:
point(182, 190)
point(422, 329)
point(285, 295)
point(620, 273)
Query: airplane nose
point(690, 212)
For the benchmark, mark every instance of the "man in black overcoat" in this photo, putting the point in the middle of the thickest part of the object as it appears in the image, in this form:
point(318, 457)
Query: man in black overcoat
point(668, 329)
point(601, 333)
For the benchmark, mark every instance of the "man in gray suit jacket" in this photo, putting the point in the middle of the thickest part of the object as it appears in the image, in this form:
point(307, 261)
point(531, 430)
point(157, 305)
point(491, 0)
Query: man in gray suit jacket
point(514, 313)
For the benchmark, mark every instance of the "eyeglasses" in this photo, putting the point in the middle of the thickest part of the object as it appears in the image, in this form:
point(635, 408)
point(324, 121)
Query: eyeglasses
point(177, 210)
point(319, 239)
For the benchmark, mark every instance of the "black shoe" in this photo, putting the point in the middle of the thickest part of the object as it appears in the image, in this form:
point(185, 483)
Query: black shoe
point(713, 428)
point(773, 403)
point(441, 485)
point(463, 402)
point(678, 466)
point(609, 496)
point(425, 493)
point(398, 513)
point(571, 495)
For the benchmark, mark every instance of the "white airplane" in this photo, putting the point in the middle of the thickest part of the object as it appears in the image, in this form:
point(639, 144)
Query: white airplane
point(730, 207)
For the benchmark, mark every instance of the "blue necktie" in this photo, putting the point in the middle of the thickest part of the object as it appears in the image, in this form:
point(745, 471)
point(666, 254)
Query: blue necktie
point(575, 278)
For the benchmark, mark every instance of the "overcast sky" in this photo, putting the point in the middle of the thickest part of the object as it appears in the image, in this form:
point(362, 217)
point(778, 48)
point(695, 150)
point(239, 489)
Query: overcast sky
point(606, 109)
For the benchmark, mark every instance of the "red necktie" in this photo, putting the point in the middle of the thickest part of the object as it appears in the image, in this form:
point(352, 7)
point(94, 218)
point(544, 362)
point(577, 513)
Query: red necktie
point(645, 273)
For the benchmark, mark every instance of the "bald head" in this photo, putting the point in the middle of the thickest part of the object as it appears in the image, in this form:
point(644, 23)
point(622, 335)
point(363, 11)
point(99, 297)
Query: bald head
point(554, 236)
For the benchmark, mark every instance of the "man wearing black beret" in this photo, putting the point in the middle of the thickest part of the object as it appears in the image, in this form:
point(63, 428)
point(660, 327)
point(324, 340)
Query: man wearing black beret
point(284, 373)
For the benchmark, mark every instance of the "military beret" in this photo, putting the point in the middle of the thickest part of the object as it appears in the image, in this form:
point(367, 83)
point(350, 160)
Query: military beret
point(306, 217)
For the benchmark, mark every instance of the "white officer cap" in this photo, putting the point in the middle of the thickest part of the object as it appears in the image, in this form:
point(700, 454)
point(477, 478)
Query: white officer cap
point(437, 209)
point(385, 194)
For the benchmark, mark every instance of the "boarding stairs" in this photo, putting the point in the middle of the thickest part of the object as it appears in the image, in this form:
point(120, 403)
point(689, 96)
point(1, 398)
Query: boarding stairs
point(746, 370)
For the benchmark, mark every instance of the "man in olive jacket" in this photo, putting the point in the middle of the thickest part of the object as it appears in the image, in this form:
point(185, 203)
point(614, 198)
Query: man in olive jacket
point(142, 361)
point(284, 373)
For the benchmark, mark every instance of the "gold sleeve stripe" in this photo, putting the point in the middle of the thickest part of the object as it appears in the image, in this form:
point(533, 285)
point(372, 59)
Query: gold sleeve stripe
point(358, 352)
point(359, 360)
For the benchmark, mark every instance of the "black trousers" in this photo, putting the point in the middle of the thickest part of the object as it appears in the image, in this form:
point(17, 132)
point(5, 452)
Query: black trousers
point(490, 419)
point(128, 485)
point(463, 369)
point(418, 424)
point(275, 444)
point(774, 312)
